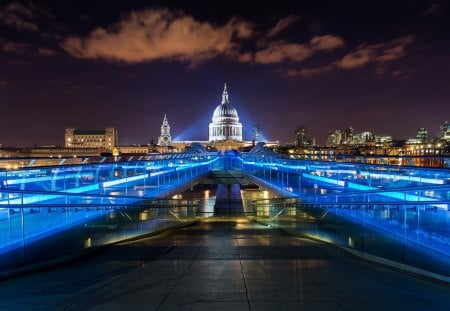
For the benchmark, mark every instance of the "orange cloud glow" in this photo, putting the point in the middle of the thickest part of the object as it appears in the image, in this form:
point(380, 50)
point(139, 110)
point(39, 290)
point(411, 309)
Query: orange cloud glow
point(160, 34)
point(280, 51)
point(378, 54)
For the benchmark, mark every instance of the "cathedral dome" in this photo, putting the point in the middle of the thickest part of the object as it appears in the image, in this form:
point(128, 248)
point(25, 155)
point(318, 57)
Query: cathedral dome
point(225, 112)
point(225, 121)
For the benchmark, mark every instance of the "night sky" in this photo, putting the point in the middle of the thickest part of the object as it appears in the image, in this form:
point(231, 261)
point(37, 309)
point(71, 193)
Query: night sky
point(374, 65)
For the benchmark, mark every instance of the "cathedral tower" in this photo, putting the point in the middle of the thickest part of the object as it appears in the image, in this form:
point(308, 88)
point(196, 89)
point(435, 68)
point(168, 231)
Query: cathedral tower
point(165, 139)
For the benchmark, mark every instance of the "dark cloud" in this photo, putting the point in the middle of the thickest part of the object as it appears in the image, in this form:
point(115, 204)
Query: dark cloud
point(25, 18)
point(46, 51)
point(434, 9)
point(306, 72)
point(282, 25)
point(13, 47)
point(25, 49)
point(18, 16)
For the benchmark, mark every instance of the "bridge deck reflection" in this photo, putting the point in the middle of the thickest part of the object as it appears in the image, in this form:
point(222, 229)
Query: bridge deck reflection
point(225, 264)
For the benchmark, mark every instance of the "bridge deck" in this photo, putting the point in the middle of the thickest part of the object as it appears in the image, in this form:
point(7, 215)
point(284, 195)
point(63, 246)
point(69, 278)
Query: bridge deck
point(227, 177)
point(222, 264)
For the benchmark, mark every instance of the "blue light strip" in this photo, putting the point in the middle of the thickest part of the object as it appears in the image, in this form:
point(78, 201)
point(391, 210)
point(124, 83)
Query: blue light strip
point(351, 171)
point(327, 180)
point(95, 187)
point(20, 180)
point(403, 177)
point(123, 180)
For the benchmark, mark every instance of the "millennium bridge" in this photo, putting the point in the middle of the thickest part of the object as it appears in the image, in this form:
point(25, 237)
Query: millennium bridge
point(55, 211)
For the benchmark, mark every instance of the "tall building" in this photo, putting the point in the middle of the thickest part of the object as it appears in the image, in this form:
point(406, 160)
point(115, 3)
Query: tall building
point(348, 135)
point(334, 138)
point(340, 137)
point(300, 136)
point(383, 140)
point(256, 130)
point(225, 122)
point(165, 139)
point(105, 139)
point(363, 138)
point(422, 134)
point(421, 137)
point(445, 131)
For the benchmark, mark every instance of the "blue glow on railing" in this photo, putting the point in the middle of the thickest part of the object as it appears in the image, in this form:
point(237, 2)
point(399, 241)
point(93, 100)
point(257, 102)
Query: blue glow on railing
point(38, 198)
point(407, 178)
point(327, 180)
point(67, 184)
point(123, 180)
point(361, 177)
point(159, 173)
point(74, 176)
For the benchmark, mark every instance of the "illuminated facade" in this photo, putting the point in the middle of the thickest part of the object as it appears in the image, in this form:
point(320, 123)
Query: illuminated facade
point(103, 139)
point(445, 131)
point(421, 137)
point(165, 139)
point(338, 137)
point(225, 122)
point(383, 140)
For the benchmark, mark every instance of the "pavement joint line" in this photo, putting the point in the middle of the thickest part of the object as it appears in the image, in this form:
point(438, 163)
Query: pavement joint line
point(99, 287)
point(323, 291)
point(181, 277)
point(310, 277)
point(243, 274)
point(375, 259)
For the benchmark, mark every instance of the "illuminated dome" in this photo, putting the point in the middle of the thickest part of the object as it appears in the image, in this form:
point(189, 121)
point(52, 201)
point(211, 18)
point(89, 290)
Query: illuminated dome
point(225, 121)
point(225, 111)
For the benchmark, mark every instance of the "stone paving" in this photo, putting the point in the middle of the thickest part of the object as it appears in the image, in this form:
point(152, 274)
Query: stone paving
point(222, 264)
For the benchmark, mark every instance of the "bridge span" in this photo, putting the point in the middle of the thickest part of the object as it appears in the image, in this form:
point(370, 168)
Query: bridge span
point(391, 214)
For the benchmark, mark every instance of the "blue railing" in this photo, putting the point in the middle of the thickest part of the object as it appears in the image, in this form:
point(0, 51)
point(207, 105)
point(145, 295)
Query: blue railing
point(146, 178)
point(47, 203)
point(360, 206)
point(74, 207)
point(413, 234)
point(303, 177)
point(35, 233)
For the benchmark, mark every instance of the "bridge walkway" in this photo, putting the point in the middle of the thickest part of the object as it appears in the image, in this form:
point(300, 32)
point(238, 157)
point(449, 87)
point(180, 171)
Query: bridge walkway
point(222, 264)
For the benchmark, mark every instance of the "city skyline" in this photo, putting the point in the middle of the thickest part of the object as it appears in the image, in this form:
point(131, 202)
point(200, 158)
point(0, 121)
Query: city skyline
point(373, 65)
